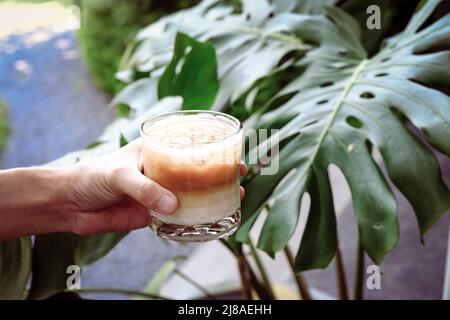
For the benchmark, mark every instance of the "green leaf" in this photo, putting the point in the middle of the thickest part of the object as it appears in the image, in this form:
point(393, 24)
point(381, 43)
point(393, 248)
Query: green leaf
point(15, 267)
point(90, 248)
point(343, 102)
point(122, 141)
point(373, 201)
point(284, 213)
point(304, 6)
point(191, 74)
point(93, 144)
point(155, 284)
point(52, 254)
point(319, 241)
point(138, 96)
point(122, 110)
point(249, 44)
point(259, 189)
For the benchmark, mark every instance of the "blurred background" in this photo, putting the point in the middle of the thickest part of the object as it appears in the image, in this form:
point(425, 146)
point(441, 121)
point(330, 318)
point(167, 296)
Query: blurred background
point(57, 66)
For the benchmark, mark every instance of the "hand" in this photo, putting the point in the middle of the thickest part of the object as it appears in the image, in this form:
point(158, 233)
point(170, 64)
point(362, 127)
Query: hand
point(110, 193)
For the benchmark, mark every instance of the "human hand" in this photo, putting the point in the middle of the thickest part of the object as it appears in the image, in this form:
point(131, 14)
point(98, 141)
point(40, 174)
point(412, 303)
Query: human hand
point(110, 193)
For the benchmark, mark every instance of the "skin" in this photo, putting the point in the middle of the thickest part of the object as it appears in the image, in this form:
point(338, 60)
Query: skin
point(104, 194)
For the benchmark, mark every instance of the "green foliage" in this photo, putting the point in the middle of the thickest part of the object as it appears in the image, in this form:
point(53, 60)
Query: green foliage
point(63, 2)
point(158, 279)
point(122, 110)
point(338, 105)
point(15, 267)
point(52, 254)
point(196, 81)
point(306, 70)
point(249, 44)
point(341, 88)
point(4, 126)
point(107, 26)
point(90, 248)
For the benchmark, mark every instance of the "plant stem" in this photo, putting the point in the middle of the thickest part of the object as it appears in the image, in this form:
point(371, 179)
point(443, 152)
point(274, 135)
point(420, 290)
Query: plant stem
point(359, 270)
point(118, 291)
point(195, 284)
point(261, 291)
point(254, 281)
point(299, 280)
point(245, 275)
point(340, 275)
point(262, 270)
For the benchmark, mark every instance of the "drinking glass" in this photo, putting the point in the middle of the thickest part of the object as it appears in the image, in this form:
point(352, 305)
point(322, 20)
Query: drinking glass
point(195, 154)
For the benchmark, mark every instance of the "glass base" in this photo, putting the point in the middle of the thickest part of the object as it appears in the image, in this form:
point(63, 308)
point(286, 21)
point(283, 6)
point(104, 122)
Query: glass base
point(196, 233)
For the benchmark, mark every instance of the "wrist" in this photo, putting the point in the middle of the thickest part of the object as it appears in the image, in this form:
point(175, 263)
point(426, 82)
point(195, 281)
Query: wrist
point(60, 180)
point(59, 200)
point(50, 205)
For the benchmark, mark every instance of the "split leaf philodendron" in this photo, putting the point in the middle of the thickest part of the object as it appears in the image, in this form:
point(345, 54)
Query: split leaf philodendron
point(344, 104)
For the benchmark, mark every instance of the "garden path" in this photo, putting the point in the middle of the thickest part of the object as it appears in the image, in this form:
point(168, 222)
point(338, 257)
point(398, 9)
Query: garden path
point(54, 108)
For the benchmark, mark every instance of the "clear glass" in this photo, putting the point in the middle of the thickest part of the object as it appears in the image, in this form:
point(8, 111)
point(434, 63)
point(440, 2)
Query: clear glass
point(196, 155)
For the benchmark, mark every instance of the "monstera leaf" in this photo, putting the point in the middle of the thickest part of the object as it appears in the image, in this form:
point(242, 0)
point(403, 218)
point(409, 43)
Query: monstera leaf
point(196, 80)
point(344, 105)
point(249, 44)
point(341, 106)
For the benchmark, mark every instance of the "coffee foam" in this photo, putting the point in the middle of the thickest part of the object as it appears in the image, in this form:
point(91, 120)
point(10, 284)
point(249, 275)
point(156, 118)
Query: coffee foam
point(191, 134)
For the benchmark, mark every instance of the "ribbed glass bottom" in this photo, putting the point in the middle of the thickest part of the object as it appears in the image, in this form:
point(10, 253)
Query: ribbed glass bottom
point(196, 233)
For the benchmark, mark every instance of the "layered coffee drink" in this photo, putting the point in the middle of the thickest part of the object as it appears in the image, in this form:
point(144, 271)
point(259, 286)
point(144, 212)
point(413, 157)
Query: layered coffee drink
point(196, 155)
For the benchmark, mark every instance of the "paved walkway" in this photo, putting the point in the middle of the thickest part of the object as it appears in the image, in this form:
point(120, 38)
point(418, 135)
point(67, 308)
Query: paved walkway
point(54, 108)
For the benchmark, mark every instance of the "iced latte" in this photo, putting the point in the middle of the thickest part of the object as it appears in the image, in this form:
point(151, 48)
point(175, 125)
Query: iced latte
point(196, 155)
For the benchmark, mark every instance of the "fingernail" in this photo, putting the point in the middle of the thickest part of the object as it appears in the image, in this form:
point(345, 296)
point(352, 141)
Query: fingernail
point(166, 204)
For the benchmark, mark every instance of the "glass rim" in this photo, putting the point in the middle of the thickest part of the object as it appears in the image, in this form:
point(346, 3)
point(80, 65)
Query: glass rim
point(154, 119)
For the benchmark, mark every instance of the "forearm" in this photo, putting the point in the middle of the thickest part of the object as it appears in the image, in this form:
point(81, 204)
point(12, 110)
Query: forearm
point(104, 194)
point(31, 201)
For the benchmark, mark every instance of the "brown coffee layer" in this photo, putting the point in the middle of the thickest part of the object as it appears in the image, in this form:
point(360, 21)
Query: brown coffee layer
point(188, 177)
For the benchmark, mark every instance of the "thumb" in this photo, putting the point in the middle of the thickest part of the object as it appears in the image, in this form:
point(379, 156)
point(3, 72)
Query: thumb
point(147, 192)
